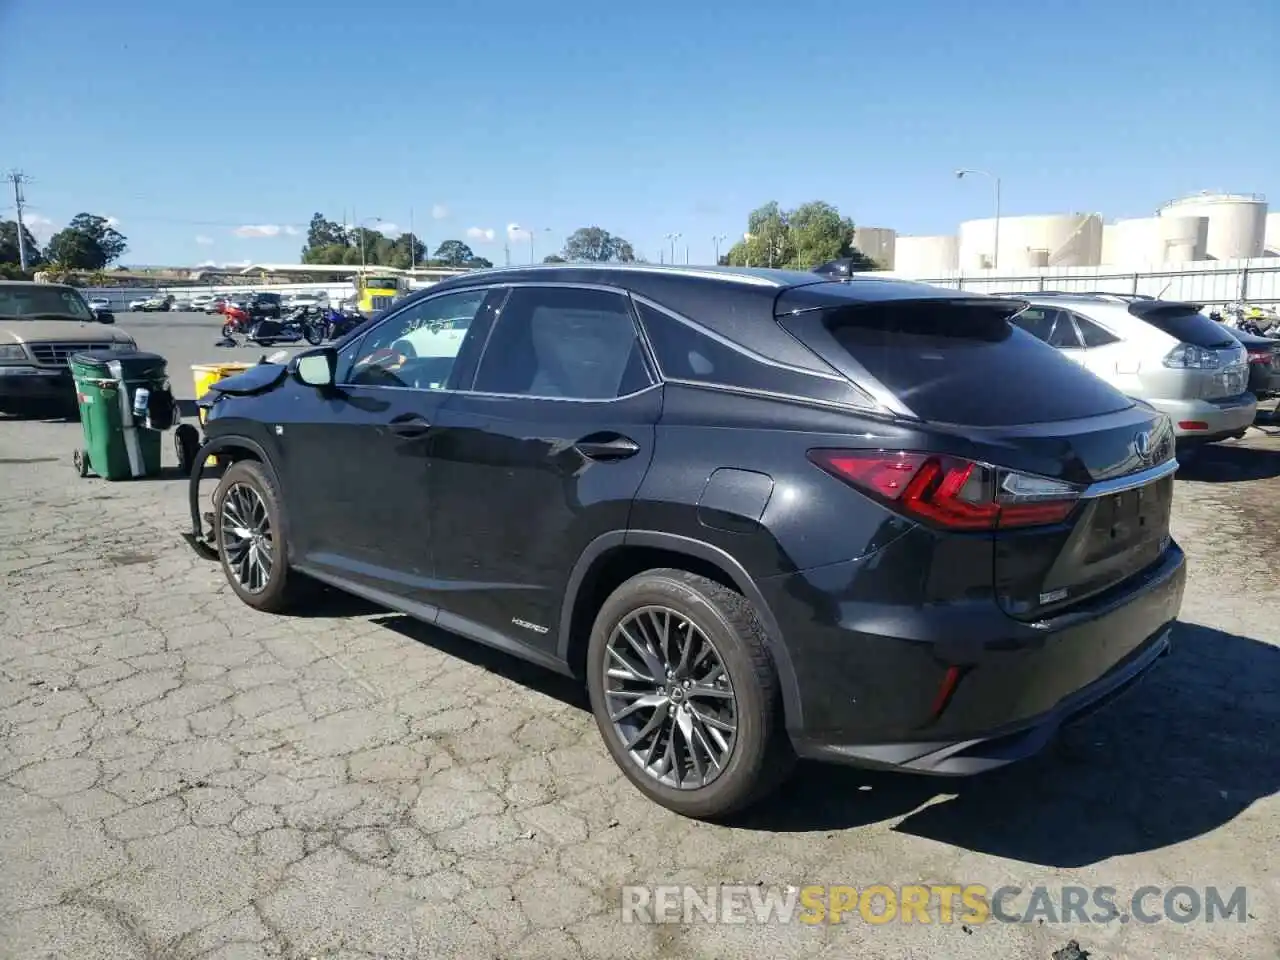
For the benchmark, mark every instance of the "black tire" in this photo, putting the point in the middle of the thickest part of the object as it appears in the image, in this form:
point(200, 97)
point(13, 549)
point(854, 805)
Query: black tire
point(761, 757)
point(313, 332)
point(186, 444)
point(80, 460)
point(285, 590)
point(228, 330)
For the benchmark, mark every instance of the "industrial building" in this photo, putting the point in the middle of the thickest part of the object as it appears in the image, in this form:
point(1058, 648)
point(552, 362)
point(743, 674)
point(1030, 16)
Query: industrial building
point(1198, 228)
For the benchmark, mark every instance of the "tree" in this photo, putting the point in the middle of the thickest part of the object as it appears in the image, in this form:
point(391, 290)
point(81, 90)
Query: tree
point(798, 239)
point(9, 252)
point(89, 242)
point(322, 232)
point(597, 245)
point(454, 253)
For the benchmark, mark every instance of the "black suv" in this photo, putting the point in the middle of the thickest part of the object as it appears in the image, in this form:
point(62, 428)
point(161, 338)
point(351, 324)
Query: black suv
point(758, 513)
point(264, 305)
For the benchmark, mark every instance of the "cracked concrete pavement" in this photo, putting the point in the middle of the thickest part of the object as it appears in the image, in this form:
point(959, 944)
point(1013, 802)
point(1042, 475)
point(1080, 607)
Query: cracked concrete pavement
point(182, 777)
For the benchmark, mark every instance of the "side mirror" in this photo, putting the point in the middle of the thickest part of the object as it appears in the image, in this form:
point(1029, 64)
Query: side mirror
point(104, 316)
point(317, 368)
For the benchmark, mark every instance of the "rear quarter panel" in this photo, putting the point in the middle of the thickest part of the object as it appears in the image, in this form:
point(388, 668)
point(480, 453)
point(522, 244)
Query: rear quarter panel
point(808, 519)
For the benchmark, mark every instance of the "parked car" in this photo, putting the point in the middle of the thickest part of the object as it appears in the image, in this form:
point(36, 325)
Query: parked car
point(1163, 352)
point(151, 304)
point(260, 305)
point(758, 513)
point(201, 302)
point(307, 300)
point(99, 303)
point(41, 326)
point(1264, 362)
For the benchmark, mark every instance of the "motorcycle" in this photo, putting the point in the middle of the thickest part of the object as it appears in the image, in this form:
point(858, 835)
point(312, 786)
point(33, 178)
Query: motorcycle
point(302, 324)
point(238, 320)
point(338, 324)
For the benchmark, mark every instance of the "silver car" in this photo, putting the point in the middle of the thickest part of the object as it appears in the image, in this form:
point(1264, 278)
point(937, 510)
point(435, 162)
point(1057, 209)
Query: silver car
point(1163, 352)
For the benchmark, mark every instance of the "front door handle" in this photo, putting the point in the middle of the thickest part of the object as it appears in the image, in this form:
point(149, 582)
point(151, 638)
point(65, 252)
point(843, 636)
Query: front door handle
point(409, 425)
point(607, 446)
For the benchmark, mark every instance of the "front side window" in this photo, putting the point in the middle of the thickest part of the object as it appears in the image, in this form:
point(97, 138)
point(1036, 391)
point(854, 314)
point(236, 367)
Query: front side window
point(416, 347)
point(563, 343)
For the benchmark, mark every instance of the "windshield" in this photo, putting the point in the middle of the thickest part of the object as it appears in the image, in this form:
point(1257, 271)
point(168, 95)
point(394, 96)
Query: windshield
point(38, 301)
point(381, 283)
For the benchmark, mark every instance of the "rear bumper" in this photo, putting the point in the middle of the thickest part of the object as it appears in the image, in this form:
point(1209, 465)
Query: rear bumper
point(872, 699)
point(32, 384)
point(1216, 419)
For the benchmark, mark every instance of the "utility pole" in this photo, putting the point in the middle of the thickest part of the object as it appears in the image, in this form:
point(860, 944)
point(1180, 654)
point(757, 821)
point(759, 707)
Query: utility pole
point(506, 252)
point(18, 178)
point(413, 242)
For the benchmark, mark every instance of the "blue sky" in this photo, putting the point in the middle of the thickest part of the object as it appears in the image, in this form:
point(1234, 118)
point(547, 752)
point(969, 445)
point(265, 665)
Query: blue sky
point(210, 131)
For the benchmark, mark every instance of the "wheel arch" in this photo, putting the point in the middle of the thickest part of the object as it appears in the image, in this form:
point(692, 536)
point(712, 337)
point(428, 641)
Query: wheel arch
point(613, 551)
point(234, 448)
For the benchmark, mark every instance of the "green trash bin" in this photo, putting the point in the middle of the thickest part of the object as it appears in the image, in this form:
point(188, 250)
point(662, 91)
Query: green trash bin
point(121, 428)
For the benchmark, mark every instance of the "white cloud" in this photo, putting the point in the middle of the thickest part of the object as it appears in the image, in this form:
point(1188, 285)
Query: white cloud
point(204, 241)
point(516, 232)
point(207, 263)
point(292, 231)
point(389, 230)
point(41, 227)
point(481, 234)
point(257, 230)
point(237, 263)
point(112, 222)
point(439, 212)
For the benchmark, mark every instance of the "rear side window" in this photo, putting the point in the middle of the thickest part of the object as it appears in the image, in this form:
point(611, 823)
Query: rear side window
point(1092, 334)
point(1054, 327)
point(956, 361)
point(685, 352)
point(1182, 322)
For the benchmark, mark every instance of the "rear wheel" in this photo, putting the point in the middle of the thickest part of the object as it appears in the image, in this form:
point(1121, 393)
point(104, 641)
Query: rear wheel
point(80, 460)
point(313, 332)
point(685, 694)
point(248, 530)
point(228, 329)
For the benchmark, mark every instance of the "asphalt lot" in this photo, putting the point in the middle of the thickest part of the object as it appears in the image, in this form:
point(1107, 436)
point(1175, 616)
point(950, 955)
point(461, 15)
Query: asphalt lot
point(188, 338)
point(181, 777)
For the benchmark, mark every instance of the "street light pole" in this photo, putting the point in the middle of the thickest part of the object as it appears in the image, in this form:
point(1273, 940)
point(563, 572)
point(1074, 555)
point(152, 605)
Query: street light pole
point(717, 240)
point(673, 237)
point(995, 238)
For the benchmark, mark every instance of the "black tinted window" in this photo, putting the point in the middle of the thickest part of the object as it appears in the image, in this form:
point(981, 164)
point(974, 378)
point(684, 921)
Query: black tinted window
point(1182, 322)
point(563, 342)
point(686, 353)
point(1092, 334)
point(956, 361)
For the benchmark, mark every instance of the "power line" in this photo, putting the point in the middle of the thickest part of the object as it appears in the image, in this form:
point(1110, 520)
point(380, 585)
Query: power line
point(18, 178)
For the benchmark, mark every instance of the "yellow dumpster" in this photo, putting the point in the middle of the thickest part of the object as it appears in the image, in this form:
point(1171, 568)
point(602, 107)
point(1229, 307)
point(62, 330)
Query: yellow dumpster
point(207, 374)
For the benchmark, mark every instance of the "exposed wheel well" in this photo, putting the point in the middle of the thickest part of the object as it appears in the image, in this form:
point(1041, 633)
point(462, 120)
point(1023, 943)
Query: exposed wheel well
point(609, 572)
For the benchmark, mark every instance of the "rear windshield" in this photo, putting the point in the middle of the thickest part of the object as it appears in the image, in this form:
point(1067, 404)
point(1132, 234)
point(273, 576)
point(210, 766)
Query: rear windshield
point(1184, 323)
point(955, 361)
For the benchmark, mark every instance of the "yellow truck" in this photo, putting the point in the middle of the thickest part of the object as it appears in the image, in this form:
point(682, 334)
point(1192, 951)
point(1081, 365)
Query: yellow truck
point(376, 292)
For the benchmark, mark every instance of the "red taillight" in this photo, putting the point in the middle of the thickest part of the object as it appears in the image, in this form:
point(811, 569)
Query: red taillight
point(1192, 425)
point(950, 492)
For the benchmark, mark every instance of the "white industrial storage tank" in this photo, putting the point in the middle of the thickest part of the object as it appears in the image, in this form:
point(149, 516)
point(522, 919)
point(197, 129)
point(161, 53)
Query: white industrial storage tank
point(1134, 242)
point(1073, 240)
point(1237, 222)
point(877, 243)
point(1272, 235)
point(925, 257)
point(1183, 239)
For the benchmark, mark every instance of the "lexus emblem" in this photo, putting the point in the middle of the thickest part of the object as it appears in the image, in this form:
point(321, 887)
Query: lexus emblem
point(1142, 445)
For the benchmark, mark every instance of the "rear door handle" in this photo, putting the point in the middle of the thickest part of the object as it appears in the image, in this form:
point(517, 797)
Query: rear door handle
point(607, 446)
point(409, 425)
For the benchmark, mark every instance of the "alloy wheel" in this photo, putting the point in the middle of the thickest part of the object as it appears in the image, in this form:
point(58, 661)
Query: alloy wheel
point(669, 698)
point(247, 541)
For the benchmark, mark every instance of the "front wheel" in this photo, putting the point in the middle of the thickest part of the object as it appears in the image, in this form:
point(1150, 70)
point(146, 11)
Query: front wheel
point(186, 444)
point(685, 694)
point(314, 333)
point(249, 533)
point(228, 330)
